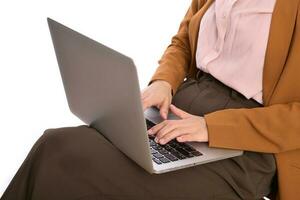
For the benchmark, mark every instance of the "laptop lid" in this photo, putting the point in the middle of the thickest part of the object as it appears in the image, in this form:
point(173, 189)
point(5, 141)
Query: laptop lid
point(102, 90)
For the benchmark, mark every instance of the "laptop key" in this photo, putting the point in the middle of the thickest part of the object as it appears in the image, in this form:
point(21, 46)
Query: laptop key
point(171, 157)
point(157, 147)
point(157, 161)
point(174, 145)
point(178, 155)
point(183, 145)
point(181, 157)
point(152, 151)
point(173, 142)
point(157, 155)
point(168, 147)
point(189, 149)
point(163, 151)
point(196, 153)
point(185, 153)
point(152, 143)
point(164, 160)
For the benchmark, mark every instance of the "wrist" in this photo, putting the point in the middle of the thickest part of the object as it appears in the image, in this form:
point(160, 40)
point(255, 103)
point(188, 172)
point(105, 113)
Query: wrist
point(165, 83)
point(205, 129)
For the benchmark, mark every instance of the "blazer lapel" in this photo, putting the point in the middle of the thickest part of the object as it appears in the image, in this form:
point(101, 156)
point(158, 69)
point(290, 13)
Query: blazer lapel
point(281, 32)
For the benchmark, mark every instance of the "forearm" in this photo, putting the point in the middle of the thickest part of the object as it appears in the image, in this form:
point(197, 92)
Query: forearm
point(269, 129)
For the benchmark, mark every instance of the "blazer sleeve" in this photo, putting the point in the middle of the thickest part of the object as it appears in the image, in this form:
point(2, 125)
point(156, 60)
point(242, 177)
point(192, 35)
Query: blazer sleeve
point(174, 64)
point(271, 129)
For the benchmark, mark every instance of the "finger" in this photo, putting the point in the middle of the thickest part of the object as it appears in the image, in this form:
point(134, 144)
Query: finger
point(144, 94)
point(170, 125)
point(146, 103)
point(164, 108)
point(180, 113)
point(186, 138)
point(172, 135)
point(156, 128)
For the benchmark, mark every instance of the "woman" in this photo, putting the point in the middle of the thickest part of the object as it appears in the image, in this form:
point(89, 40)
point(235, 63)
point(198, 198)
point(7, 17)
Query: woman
point(241, 92)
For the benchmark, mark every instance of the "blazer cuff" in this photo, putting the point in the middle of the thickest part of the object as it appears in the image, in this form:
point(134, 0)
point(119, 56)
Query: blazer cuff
point(221, 135)
point(172, 80)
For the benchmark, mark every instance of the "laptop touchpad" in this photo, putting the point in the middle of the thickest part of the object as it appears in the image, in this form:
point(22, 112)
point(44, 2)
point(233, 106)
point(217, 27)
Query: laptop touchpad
point(153, 115)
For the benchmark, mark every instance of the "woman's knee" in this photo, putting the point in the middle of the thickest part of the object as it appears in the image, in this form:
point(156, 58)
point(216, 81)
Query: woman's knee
point(59, 140)
point(58, 135)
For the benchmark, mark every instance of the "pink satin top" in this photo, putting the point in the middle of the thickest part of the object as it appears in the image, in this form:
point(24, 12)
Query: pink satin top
point(232, 43)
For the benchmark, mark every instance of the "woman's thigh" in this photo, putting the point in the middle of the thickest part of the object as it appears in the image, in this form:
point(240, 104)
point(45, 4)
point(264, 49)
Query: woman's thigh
point(79, 163)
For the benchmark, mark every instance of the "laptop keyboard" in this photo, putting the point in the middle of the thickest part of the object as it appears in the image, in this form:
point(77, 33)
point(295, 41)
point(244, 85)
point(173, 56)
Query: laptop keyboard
point(170, 152)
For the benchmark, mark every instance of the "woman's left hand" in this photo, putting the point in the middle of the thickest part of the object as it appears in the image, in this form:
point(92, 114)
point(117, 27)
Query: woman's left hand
point(187, 129)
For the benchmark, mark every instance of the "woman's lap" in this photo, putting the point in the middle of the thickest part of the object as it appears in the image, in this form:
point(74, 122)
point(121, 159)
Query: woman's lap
point(84, 157)
point(79, 163)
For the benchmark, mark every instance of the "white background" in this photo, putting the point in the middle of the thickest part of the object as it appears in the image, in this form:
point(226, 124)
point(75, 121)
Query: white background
point(31, 92)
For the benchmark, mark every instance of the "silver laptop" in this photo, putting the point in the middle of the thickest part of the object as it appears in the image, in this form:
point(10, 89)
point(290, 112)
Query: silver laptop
point(102, 89)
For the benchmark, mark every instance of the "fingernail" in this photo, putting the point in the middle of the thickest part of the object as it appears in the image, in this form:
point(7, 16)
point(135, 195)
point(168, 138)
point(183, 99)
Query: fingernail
point(156, 140)
point(150, 131)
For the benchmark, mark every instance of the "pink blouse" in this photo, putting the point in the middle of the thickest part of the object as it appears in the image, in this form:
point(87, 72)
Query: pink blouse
point(232, 43)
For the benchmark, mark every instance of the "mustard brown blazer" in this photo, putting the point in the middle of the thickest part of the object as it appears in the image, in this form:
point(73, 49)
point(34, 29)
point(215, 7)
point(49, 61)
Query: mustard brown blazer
point(273, 128)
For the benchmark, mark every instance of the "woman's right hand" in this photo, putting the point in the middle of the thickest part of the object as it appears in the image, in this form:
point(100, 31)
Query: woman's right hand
point(159, 94)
